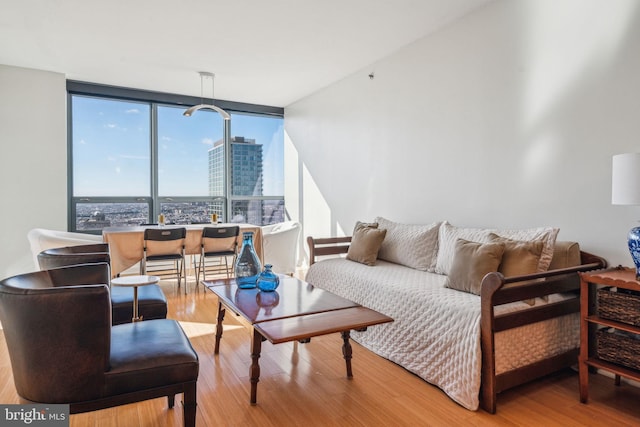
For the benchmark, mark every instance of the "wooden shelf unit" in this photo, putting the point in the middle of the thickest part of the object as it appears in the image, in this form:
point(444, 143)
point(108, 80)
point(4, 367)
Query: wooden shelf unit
point(619, 277)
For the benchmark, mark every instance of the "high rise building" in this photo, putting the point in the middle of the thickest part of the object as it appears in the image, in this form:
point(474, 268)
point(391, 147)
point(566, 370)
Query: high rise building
point(246, 177)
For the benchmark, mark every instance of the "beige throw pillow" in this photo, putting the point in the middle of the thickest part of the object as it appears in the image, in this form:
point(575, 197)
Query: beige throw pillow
point(365, 243)
point(519, 258)
point(471, 262)
point(448, 235)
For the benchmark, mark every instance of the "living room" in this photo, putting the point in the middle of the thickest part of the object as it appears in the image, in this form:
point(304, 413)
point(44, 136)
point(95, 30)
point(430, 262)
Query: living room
point(505, 117)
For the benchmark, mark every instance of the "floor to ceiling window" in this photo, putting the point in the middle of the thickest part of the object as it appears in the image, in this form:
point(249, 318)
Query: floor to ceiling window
point(133, 155)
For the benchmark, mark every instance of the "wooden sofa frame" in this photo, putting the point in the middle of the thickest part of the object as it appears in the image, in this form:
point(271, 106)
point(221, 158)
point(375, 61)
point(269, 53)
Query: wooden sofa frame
point(497, 290)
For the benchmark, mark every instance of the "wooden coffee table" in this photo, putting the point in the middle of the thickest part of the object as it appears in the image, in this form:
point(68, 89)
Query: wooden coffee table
point(296, 311)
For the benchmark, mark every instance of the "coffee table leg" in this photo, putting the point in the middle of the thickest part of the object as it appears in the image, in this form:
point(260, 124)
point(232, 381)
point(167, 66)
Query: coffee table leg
point(254, 371)
point(221, 312)
point(346, 351)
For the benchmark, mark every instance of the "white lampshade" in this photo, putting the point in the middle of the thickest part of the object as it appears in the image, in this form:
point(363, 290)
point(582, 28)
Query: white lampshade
point(625, 179)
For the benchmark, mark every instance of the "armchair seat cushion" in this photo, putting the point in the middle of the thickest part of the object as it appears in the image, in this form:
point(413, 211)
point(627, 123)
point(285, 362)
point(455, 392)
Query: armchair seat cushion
point(152, 304)
point(131, 369)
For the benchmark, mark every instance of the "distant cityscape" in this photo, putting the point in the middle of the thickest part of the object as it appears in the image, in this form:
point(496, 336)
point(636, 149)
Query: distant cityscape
point(96, 216)
point(246, 180)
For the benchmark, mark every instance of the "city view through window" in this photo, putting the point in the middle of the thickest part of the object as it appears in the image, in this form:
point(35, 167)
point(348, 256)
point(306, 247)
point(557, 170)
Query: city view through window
point(126, 173)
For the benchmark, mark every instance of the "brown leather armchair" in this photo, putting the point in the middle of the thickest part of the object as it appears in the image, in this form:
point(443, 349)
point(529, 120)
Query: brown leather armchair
point(152, 303)
point(64, 349)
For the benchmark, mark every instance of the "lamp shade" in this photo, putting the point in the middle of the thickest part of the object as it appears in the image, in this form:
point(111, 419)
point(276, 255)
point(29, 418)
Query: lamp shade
point(625, 179)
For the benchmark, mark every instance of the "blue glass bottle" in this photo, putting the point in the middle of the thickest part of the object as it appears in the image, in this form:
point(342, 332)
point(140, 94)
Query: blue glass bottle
point(268, 281)
point(248, 264)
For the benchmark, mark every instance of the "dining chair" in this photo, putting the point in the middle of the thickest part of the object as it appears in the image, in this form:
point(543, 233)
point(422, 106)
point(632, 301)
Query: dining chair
point(152, 303)
point(163, 253)
point(63, 348)
point(217, 245)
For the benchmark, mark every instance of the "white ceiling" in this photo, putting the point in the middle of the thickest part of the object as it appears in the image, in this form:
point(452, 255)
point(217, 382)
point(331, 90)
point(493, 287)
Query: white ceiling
point(263, 52)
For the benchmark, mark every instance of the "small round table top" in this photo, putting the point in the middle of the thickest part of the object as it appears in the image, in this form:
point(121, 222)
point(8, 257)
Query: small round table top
point(134, 280)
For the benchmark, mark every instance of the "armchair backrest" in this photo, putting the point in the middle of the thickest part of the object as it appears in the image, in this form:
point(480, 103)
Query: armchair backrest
point(41, 239)
point(72, 255)
point(58, 333)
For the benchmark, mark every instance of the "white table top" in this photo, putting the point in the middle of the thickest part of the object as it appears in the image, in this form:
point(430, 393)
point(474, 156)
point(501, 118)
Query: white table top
point(134, 280)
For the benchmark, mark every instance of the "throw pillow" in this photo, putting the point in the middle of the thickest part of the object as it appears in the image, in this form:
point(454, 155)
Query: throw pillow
point(519, 258)
point(411, 245)
point(547, 235)
point(365, 243)
point(471, 262)
point(447, 238)
point(448, 235)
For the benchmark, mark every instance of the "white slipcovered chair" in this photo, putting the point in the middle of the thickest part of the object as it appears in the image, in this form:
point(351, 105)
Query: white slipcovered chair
point(280, 246)
point(41, 239)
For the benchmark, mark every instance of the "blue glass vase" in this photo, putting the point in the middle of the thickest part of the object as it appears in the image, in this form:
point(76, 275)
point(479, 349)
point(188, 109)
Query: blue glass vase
point(268, 281)
point(634, 248)
point(248, 264)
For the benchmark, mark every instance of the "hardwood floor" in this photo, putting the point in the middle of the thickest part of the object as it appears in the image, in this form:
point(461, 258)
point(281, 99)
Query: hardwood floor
point(305, 385)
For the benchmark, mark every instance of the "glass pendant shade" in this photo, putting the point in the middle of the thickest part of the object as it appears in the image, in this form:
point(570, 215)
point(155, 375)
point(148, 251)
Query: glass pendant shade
point(203, 106)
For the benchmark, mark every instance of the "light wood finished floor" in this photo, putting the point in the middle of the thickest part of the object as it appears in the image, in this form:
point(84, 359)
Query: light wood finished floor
point(305, 385)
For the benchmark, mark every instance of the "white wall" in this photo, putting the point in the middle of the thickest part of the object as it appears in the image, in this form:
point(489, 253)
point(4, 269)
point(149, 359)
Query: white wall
point(33, 165)
point(507, 118)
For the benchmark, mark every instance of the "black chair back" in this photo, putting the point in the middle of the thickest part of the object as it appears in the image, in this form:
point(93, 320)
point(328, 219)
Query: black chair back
point(162, 245)
point(217, 243)
point(165, 234)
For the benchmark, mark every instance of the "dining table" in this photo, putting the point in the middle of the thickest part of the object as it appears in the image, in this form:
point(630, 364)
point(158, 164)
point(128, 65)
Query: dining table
point(126, 244)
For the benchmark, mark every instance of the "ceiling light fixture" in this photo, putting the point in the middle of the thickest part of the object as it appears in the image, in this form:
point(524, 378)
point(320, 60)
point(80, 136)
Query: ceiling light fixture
point(190, 111)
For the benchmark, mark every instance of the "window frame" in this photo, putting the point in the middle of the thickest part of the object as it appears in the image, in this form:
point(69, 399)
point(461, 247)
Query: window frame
point(79, 88)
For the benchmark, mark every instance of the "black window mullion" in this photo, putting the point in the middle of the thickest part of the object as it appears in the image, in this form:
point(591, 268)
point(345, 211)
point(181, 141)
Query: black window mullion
point(155, 208)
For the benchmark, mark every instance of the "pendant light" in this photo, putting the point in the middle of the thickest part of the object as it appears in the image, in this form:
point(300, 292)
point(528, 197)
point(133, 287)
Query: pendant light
point(190, 111)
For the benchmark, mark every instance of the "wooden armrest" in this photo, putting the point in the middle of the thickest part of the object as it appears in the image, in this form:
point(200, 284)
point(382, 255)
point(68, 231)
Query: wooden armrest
point(493, 291)
point(327, 246)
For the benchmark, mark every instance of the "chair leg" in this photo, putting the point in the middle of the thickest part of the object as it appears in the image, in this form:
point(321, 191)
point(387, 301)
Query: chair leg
point(196, 267)
point(233, 265)
point(200, 270)
point(183, 273)
point(203, 267)
point(189, 403)
point(171, 400)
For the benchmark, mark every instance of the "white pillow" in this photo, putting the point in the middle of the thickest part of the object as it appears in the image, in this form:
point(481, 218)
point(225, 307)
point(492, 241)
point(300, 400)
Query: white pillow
point(449, 234)
point(411, 245)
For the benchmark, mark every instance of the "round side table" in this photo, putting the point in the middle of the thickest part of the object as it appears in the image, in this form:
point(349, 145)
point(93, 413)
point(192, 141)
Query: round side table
point(134, 282)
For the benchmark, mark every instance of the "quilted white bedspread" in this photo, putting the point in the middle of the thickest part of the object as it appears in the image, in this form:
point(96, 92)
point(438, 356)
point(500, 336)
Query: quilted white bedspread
point(436, 330)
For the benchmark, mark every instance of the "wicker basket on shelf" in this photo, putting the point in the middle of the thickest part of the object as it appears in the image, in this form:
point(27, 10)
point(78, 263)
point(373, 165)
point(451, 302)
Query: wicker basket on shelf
point(619, 306)
point(619, 347)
